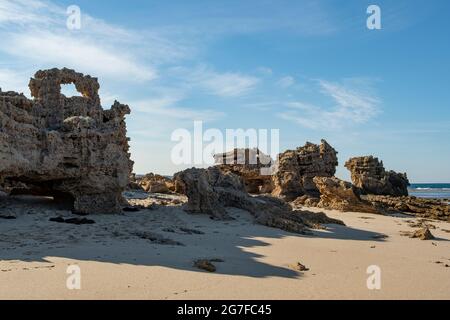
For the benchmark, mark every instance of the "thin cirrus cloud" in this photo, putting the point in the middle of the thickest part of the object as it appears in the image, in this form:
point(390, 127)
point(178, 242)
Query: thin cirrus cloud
point(351, 106)
point(223, 84)
point(82, 54)
point(286, 82)
point(167, 106)
point(34, 32)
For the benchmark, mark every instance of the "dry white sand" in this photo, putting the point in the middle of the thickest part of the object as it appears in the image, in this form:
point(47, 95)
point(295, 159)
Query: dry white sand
point(115, 263)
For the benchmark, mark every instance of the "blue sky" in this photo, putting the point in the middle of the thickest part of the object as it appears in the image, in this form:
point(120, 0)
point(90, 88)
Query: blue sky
point(309, 68)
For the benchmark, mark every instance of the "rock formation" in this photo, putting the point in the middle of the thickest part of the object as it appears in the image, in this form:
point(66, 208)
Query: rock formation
point(155, 183)
point(424, 208)
point(252, 165)
point(133, 183)
point(368, 174)
point(295, 170)
point(68, 148)
point(340, 195)
point(210, 191)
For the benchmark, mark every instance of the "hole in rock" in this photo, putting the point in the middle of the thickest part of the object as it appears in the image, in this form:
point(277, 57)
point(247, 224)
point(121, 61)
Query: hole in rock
point(69, 90)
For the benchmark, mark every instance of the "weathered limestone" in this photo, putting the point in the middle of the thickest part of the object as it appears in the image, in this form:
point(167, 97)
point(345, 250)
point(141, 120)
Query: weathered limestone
point(424, 208)
point(155, 183)
point(368, 174)
point(341, 195)
point(69, 148)
point(210, 191)
point(295, 170)
point(252, 165)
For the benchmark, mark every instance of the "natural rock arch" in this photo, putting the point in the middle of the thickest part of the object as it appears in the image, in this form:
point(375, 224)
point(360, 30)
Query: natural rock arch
point(66, 147)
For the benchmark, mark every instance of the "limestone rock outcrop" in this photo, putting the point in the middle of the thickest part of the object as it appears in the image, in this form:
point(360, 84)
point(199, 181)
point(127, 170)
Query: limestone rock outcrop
point(368, 174)
point(252, 165)
point(423, 208)
point(210, 191)
point(155, 183)
point(341, 195)
point(68, 148)
point(296, 169)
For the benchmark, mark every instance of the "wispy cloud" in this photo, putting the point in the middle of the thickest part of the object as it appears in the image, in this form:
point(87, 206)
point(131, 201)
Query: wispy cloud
point(35, 32)
point(286, 82)
point(351, 106)
point(167, 107)
point(224, 84)
point(82, 54)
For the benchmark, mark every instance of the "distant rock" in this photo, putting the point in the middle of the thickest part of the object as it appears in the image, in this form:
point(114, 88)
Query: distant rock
point(133, 183)
point(368, 174)
point(155, 183)
point(296, 169)
point(252, 165)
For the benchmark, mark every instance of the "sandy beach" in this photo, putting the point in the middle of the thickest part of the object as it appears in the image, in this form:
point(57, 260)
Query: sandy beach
point(150, 254)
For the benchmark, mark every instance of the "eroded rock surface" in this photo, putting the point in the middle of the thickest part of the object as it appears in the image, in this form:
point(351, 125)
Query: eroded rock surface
point(296, 169)
point(368, 174)
point(424, 208)
point(69, 148)
point(155, 183)
point(341, 195)
point(336, 194)
point(210, 191)
point(252, 165)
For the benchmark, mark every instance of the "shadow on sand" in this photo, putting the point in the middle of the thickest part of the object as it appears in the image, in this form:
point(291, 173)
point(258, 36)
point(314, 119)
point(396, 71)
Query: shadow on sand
point(112, 239)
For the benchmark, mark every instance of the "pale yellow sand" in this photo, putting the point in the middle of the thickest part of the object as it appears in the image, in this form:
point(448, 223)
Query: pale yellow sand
point(116, 264)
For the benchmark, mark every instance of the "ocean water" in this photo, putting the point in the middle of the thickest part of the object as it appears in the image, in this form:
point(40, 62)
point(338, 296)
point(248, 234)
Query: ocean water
point(430, 190)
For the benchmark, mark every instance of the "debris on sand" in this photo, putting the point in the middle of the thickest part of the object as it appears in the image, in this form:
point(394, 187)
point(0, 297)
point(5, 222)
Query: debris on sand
point(205, 264)
point(77, 221)
point(157, 238)
point(421, 223)
point(422, 234)
point(131, 209)
point(299, 267)
point(380, 236)
point(7, 217)
point(183, 230)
